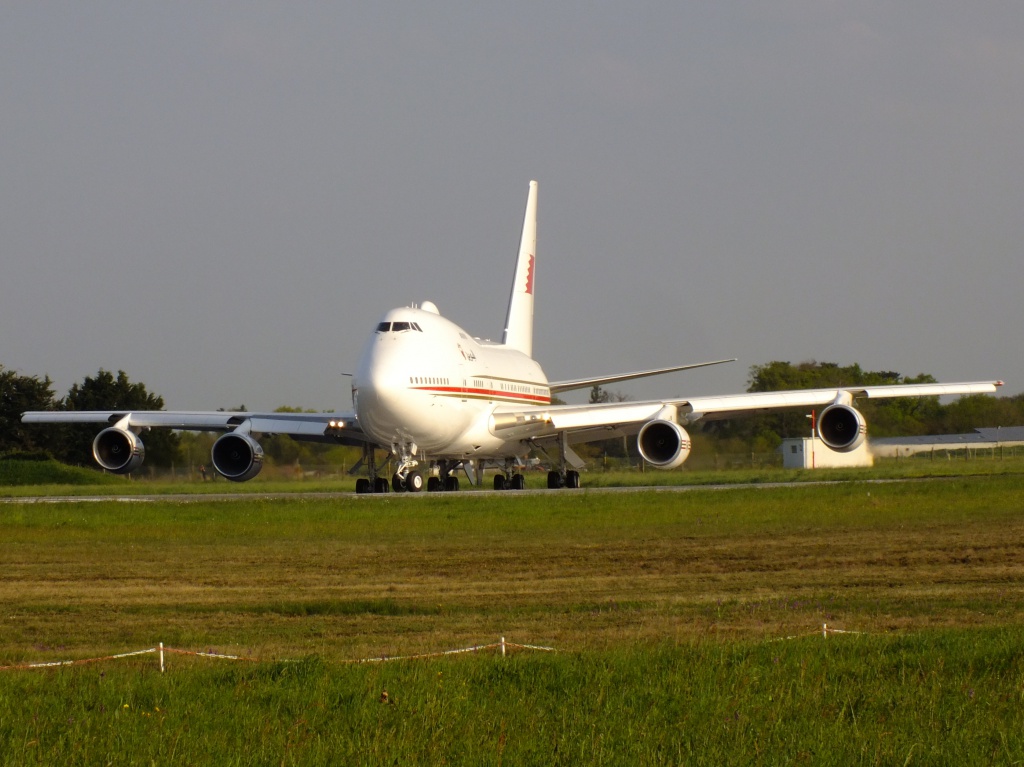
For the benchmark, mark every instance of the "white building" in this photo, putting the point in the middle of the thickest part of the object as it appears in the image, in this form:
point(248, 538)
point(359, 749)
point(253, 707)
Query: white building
point(980, 439)
point(812, 453)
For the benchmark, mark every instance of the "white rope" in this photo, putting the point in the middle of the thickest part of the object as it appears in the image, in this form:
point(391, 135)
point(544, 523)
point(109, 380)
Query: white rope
point(222, 656)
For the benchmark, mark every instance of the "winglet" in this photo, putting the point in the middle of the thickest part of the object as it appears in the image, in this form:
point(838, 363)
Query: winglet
point(519, 319)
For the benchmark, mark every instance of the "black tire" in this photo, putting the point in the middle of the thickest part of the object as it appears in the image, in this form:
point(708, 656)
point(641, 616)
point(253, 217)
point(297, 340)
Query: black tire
point(572, 480)
point(362, 485)
point(500, 482)
point(381, 486)
point(518, 482)
point(554, 480)
point(451, 483)
point(433, 484)
point(414, 482)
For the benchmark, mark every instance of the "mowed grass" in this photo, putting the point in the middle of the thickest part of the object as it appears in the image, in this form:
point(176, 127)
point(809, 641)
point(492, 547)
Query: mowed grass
point(665, 608)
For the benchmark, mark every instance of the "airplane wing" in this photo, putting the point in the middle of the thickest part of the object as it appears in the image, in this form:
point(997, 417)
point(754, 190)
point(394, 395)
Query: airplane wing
point(583, 423)
point(338, 428)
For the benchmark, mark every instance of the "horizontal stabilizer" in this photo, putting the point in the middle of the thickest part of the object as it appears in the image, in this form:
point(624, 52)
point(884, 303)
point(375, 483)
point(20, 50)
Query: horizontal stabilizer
point(586, 383)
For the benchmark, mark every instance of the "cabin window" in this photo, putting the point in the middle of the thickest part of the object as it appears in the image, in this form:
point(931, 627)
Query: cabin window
point(384, 327)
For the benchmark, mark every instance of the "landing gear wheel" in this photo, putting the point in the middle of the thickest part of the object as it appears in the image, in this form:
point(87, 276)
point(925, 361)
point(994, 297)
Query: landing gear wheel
point(554, 480)
point(381, 485)
point(433, 484)
point(362, 485)
point(500, 482)
point(572, 479)
point(451, 483)
point(397, 483)
point(518, 482)
point(414, 482)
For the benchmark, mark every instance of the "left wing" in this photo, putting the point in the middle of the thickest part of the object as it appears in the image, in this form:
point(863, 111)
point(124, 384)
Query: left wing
point(663, 442)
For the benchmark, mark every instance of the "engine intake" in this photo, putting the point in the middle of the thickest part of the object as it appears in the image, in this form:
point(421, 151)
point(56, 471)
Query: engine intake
point(663, 444)
point(237, 457)
point(842, 428)
point(118, 450)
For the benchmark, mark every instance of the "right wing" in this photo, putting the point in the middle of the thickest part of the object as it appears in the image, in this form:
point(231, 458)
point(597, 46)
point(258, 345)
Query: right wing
point(588, 422)
point(339, 428)
point(236, 455)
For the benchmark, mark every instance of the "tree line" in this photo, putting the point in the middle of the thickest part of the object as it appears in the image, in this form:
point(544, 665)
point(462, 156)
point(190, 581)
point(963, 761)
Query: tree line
point(72, 443)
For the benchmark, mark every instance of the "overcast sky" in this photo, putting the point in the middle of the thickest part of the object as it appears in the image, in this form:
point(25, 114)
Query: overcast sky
point(221, 199)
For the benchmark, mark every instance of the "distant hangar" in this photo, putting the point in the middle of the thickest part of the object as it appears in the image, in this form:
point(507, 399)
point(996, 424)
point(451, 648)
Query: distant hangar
point(809, 453)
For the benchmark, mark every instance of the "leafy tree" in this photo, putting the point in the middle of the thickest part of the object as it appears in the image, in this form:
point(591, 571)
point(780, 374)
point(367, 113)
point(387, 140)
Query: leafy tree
point(979, 411)
point(105, 392)
point(17, 394)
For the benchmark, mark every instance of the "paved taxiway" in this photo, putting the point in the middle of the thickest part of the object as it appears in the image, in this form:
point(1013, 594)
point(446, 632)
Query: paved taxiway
point(196, 497)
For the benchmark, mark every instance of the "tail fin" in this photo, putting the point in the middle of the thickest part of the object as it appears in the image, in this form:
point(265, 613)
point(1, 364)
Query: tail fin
point(519, 320)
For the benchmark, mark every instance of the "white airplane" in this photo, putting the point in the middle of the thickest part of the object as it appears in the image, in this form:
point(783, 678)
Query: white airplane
point(438, 400)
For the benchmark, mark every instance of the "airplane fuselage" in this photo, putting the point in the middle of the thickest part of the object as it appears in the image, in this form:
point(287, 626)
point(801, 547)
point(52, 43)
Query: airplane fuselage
point(424, 381)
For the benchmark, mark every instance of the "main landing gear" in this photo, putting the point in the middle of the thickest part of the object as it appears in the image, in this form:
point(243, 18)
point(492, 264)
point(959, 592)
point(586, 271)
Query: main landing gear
point(506, 482)
point(564, 476)
point(373, 483)
point(510, 479)
point(568, 479)
point(406, 479)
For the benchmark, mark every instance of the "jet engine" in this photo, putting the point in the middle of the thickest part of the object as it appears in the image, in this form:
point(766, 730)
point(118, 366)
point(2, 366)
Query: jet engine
point(118, 450)
point(237, 457)
point(842, 428)
point(663, 444)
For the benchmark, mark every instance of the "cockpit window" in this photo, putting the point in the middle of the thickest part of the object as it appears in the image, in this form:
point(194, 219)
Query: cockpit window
point(397, 327)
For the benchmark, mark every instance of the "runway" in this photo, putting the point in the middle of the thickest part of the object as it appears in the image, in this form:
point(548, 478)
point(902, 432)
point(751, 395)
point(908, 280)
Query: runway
point(370, 497)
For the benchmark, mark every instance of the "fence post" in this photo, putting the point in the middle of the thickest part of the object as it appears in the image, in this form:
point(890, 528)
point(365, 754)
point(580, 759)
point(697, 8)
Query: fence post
point(161, 657)
point(503, 647)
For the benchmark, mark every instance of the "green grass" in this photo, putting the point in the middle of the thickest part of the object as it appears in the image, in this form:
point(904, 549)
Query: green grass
point(15, 473)
point(948, 697)
point(667, 610)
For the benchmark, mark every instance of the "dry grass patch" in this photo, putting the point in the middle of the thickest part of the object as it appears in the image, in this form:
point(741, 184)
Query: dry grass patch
point(351, 577)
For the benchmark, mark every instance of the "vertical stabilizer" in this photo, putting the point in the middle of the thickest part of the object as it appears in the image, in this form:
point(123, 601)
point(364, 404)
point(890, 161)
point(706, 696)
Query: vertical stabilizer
point(519, 320)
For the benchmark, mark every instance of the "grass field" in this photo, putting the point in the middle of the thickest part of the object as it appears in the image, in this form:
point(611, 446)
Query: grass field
point(665, 609)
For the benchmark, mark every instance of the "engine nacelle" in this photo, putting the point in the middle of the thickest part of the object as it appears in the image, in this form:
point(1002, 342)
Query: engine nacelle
point(118, 450)
point(663, 444)
point(237, 457)
point(842, 428)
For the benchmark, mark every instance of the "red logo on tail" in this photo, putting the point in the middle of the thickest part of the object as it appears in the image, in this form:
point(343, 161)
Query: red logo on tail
point(529, 277)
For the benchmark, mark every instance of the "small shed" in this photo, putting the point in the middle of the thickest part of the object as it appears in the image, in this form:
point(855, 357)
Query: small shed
point(812, 453)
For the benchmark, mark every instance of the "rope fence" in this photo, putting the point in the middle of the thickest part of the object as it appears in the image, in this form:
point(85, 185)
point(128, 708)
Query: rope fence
point(502, 645)
point(160, 649)
point(825, 631)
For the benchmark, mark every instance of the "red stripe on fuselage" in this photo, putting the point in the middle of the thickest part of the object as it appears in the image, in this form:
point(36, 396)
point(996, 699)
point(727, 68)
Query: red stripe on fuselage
point(456, 391)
